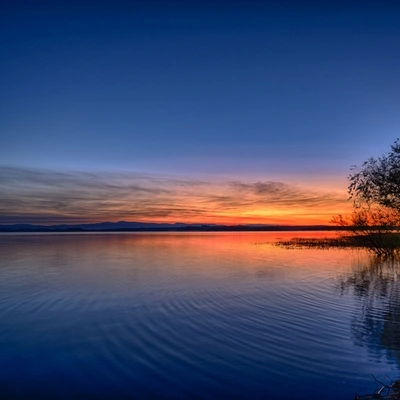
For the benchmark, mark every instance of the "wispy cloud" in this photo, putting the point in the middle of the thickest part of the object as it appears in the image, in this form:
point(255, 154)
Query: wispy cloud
point(44, 196)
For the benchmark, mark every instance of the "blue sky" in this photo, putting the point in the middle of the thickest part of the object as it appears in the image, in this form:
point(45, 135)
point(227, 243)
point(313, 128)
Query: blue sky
point(250, 91)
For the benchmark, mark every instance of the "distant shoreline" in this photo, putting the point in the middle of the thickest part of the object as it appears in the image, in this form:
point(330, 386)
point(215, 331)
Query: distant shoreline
point(189, 228)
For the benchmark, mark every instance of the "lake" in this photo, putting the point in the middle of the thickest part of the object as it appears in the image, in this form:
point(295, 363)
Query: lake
point(193, 316)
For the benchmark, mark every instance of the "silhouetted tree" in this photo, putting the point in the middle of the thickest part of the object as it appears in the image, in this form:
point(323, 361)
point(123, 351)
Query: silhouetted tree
point(375, 190)
point(377, 182)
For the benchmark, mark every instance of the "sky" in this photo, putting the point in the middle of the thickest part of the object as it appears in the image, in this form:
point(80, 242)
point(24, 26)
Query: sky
point(192, 111)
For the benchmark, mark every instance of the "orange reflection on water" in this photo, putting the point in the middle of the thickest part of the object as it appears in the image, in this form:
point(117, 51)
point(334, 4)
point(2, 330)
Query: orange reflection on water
point(195, 258)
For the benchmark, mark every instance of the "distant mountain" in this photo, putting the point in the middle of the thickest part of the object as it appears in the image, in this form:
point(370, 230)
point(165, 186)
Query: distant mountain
point(100, 226)
point(151, 226)
point(120, 225)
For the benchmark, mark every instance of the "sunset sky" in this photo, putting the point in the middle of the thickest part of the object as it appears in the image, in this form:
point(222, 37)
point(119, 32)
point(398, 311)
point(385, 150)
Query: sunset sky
point(193, 111)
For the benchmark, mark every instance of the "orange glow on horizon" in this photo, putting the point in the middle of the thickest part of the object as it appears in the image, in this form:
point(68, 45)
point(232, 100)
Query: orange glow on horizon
point(113, 197)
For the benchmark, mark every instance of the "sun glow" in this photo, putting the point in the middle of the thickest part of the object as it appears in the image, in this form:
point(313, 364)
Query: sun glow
point(49, 196)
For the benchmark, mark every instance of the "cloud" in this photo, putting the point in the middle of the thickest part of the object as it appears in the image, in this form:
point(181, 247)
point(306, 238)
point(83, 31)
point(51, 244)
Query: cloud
point(280, 195)
point(45, 196)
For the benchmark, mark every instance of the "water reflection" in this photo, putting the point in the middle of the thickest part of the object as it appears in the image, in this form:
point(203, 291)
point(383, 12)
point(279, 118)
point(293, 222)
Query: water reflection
point(187, 316)
point(376, 289)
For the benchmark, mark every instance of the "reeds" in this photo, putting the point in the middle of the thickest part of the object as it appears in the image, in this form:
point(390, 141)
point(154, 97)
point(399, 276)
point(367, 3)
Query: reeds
point(386, 392)
point(382, 243)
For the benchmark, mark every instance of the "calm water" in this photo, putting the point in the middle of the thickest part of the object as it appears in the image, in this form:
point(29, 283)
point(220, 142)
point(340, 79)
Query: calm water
point(199, 315)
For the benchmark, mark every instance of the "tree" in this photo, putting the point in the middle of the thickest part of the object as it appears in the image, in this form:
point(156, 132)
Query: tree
point(375, 190)
point(377, 182)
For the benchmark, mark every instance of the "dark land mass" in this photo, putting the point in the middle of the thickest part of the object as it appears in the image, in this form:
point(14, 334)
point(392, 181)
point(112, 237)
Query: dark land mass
point(124, 226)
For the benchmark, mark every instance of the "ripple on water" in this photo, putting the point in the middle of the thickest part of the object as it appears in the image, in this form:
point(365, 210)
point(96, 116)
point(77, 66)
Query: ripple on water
point(145, 333)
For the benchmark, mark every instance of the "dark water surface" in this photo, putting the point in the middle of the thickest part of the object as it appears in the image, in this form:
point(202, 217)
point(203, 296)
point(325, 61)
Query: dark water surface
point(192, 316)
